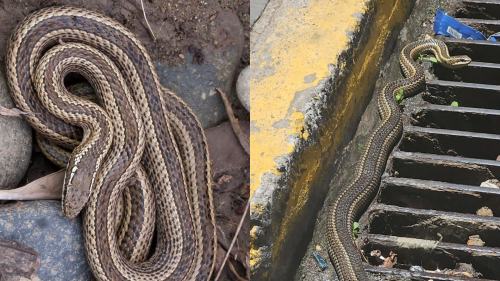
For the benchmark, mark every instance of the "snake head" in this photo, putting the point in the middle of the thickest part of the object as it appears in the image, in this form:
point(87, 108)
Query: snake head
point(455, 62)
point(78, 183)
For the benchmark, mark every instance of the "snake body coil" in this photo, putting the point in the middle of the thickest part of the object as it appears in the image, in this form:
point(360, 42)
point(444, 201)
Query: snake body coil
point(356, 197)
point(141, 125)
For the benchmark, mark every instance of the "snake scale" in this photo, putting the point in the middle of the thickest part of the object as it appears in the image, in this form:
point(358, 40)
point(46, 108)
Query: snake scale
point(355, 198)
point(142, 134)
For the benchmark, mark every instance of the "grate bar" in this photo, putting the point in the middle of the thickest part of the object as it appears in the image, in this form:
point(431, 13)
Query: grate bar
point(439, 196)
point(449, 142)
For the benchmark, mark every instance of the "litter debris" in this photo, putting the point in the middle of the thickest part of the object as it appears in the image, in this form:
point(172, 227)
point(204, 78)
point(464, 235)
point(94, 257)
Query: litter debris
point(391, 260)
point(377, 253)
point(319, 259)
point(417, 268)
point(475, 240)
point(448, 26)
point(484, 211)
point(464, 270)
point(318, 248)
point(494, 183)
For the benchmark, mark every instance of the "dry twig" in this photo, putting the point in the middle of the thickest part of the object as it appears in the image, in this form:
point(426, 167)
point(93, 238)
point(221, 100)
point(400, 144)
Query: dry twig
point(244, 141)
point(147, 22)
point(231, 266)
point(234, 240)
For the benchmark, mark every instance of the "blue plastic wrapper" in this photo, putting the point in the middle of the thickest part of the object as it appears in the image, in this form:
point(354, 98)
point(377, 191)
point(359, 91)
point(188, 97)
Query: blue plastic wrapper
point(448, 26)
point(319, 259)
point(495, 37)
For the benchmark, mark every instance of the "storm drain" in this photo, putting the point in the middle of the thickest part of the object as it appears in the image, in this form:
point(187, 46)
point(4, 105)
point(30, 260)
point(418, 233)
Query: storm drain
point(435, 209)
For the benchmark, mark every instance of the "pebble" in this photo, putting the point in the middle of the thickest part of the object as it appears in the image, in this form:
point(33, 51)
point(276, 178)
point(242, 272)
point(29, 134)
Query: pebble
point(41, 226)
point(243, 87)
point(15, 143)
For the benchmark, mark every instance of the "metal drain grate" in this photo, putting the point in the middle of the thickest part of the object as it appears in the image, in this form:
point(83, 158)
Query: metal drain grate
point(426, 209)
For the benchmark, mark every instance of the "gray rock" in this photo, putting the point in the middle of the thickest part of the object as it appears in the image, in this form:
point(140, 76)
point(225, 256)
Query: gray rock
point(243, 87)
point(196, 82)
point(41, 226)
point(15, 142)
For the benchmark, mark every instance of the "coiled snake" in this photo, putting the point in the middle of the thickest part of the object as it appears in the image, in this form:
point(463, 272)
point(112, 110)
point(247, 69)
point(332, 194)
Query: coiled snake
point(140, 125)
point(356, 197)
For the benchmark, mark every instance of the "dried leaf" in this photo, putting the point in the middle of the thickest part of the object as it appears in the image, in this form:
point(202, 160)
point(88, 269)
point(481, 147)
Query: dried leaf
point(48, 187)
point(475, 240)
point(11, 111)
point(231, 266)
point(390, 261)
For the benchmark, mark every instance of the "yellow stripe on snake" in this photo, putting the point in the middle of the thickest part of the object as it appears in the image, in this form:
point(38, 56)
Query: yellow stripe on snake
point(356, 197)
point(141, 125)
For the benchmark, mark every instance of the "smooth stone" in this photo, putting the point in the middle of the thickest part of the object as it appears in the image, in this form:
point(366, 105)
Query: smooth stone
point(15, 142)
point(243, 87)
point(41, 226)
point(196, 83)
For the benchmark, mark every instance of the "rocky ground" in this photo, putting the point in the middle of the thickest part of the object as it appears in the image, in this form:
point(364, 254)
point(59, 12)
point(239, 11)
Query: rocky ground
point(198, 46)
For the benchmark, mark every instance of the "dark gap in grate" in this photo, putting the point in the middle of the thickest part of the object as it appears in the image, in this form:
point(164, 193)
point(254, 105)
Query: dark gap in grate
point(460, 118)
point(449, 142)
point(487, 27)
point(466, 94)
point(476, 72)
point(426, 224)
point(479, 9)
point(443, 168)
point(477, 50)
point(439, 196)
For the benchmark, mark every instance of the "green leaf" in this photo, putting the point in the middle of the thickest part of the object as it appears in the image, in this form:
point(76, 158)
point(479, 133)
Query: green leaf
point(399, 96)
point(455, 104)
point(442, 7)
point(355, 229)
point(355, 225)
point(433, 59)
point(361, 146)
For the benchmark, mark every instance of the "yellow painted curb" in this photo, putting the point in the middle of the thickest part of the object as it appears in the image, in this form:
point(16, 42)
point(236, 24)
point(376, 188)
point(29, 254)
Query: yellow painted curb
point(298, 52)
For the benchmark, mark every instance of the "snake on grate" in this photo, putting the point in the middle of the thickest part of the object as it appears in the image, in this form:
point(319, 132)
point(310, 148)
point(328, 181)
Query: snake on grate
point(144, 133)
point(355, 198)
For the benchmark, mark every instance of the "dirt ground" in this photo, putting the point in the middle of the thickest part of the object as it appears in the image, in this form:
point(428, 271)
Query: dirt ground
point(179, 26)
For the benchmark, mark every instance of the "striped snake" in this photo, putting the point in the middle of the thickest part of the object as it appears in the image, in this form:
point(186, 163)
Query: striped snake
point(143, 133)
point(355, 198)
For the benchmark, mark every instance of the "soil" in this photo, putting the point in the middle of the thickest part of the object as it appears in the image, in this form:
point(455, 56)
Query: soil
point(177, 25)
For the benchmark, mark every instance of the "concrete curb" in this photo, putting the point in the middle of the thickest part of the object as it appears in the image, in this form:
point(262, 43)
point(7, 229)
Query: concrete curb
point(314, 66)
